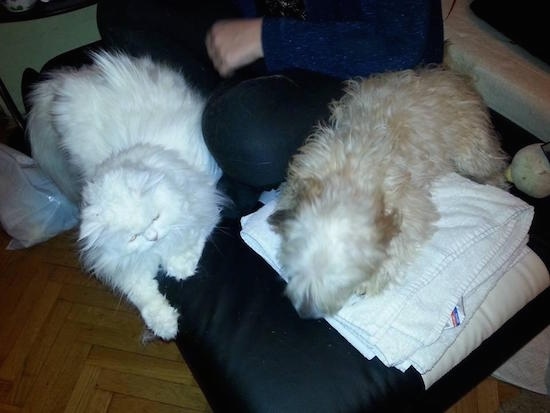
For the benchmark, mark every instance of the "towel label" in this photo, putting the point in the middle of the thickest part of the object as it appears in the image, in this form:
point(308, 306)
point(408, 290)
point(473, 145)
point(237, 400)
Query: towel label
point(457, 316)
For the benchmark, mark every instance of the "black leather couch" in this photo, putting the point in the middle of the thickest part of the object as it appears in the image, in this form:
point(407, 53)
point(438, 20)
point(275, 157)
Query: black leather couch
point(250, 352)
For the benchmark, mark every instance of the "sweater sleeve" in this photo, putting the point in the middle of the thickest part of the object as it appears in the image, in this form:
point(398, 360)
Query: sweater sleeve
point(386, 35)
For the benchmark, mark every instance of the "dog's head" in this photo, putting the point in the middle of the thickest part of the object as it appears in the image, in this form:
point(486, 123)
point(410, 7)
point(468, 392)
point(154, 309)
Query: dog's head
point(331, 246)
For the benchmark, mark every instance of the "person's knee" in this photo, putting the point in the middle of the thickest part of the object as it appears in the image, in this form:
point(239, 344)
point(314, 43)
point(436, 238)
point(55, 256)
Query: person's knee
point(253, 129)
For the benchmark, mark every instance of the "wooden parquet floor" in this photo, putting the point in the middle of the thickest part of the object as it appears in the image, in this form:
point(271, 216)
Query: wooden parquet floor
point(68, 344)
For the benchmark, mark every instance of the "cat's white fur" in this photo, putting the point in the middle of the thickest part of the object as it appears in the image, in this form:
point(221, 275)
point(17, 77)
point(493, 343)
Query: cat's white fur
point(122, 136)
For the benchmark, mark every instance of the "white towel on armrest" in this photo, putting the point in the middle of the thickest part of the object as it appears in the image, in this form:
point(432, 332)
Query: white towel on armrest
point(482, 231)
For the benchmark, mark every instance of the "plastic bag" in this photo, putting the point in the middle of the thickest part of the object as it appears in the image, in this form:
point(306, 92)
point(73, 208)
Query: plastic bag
point(32, 208)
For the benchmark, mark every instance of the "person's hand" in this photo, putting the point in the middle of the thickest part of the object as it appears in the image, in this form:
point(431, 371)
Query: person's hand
point(232, 44)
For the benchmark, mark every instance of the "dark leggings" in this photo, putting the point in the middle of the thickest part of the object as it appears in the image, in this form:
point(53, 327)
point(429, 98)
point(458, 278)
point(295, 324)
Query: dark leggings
point(254, 121)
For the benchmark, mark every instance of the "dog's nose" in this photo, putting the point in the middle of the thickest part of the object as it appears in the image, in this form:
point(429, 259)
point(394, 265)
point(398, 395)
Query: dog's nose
point(308, 309)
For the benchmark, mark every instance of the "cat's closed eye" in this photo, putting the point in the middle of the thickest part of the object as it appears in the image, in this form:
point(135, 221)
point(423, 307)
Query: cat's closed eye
point(133, 238)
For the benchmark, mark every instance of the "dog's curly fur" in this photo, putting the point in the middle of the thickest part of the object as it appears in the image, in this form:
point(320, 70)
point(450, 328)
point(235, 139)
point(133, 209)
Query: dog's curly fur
point(356, 204)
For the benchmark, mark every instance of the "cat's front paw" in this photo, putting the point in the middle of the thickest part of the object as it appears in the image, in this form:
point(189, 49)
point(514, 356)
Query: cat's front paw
point(182, 266)
point(162, 319)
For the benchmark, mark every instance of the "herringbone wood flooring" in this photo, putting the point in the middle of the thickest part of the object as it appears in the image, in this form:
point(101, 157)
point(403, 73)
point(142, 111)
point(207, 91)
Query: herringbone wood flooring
point(69, 344)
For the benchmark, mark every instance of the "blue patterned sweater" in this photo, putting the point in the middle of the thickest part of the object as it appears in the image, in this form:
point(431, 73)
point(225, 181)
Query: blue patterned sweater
point(347, 38)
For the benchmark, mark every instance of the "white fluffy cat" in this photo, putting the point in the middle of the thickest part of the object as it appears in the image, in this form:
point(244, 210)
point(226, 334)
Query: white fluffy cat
point(122, 136)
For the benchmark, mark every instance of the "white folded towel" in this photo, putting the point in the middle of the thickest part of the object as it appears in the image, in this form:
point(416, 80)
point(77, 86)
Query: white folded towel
point(481, 233)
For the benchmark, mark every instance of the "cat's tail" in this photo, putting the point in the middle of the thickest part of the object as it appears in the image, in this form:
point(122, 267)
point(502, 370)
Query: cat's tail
point(45, 140)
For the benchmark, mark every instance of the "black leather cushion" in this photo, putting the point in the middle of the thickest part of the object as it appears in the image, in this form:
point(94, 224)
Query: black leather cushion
point(524, 22)
point(250, 352)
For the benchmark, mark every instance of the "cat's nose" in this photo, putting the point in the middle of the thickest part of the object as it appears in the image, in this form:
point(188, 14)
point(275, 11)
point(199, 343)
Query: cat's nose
point(151, 235)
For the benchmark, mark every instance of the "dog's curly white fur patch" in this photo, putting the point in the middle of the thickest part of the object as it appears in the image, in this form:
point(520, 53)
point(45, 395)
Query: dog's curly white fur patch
point(356, 204)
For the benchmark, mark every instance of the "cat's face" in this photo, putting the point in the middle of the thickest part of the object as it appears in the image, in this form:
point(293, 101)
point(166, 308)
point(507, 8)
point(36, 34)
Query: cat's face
point(129, 210)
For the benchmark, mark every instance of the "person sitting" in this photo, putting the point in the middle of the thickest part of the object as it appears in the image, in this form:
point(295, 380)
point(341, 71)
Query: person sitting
point(270, 69)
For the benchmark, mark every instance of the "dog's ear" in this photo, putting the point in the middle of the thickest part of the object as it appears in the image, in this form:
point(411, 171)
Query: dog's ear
point(310, 189)
point(389, 224)
point(278, 219)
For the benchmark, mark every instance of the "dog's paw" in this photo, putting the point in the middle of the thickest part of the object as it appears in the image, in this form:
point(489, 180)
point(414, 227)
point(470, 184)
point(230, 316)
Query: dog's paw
point(162, 319)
